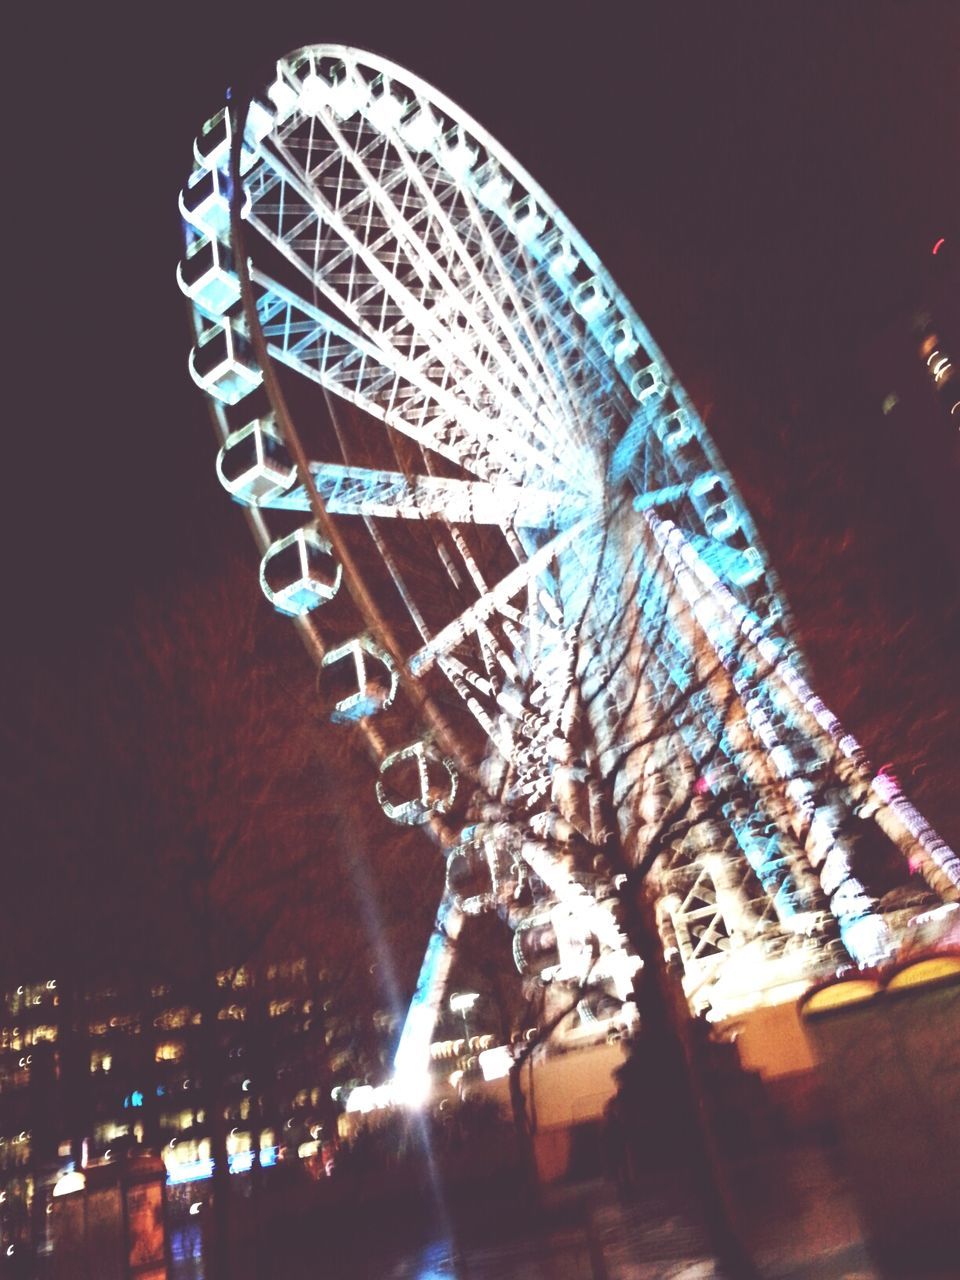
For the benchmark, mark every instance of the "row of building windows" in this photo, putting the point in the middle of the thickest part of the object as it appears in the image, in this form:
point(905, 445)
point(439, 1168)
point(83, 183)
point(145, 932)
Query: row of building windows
point(31, 996)
point(16, 1039)
point(120, 1065)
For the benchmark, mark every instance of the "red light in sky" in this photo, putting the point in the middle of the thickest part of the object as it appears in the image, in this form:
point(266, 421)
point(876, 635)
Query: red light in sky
point(936, 247)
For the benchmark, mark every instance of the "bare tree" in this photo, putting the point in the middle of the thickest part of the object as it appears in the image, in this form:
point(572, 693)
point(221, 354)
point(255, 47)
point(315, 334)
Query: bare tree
point(246, 821)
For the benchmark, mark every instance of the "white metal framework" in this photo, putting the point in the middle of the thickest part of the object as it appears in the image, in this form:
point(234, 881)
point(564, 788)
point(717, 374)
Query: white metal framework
point(515, 532)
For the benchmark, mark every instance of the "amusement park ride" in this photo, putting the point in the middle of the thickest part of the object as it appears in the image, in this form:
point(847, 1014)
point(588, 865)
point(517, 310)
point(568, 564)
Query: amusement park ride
point(522, 571)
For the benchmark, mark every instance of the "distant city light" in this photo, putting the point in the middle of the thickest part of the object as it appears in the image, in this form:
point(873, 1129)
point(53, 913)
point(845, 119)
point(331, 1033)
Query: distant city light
point(198, 1170)
point(366, 1098)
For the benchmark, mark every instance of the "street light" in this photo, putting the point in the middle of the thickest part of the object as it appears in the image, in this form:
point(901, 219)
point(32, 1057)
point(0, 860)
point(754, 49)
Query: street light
point(462, 1002)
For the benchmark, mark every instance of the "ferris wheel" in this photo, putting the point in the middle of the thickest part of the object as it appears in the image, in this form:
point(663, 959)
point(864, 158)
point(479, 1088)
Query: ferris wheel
point(521, 567)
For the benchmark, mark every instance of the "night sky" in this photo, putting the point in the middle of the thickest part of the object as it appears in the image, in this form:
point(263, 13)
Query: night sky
point(764, 182)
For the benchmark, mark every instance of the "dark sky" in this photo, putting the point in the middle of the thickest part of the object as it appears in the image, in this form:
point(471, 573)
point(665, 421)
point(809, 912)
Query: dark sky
point(764, 182)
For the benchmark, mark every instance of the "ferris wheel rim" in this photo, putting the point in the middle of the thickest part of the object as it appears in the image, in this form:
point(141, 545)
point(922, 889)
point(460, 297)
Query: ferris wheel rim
point(355, 57)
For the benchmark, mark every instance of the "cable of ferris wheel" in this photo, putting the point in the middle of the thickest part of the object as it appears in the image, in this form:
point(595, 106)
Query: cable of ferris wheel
point(384, 551)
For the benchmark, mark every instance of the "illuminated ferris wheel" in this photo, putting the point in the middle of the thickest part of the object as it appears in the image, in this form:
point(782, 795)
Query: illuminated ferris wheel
point(520, 565)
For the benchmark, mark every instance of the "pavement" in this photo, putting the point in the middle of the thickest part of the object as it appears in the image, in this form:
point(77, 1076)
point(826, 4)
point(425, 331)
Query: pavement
point(797, 1218)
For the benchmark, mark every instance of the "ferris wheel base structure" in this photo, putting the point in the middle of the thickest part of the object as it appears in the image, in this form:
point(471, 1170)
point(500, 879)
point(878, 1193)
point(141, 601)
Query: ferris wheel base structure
point(524, 573)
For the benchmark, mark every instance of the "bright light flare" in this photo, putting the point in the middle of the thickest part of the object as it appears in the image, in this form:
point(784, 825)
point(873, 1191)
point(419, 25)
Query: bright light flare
point(69, 1182)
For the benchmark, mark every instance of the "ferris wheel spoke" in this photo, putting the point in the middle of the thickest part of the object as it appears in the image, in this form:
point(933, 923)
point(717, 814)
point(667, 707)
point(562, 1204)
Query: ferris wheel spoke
point(464, 682)
point(500, 594)
point(314, 344)
point(359, 491)
point(437, 241)
point(577, 364)
point(441, 237)
point(561, 352)
point(534, 306)
point(481, 301)
point(533, 315)
point(418, 292)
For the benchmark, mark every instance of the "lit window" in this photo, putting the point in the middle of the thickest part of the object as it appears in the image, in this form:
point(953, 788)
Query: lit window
point(170, 1051)
point(172, 1019)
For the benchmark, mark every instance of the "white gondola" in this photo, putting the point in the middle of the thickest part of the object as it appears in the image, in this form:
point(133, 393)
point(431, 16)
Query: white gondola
point(420, 130)
point(207, 277)
point(282, 97)
point(590, 301)
point(492, 187)
point(485, 870)
point(222, 363)
point(562, 261)
point(707, 491)
point(340, 92)
point(428, 799)
point(619, 341)
point(675, 430)
point(253, 465)
point(528, 221)
point(212, 148)
point(471, 879)
point(535, 950)
point(720, 520)
point(374, 692)
point(642, 379)
point(456, 153)
point(384, 107)
point(205, 204)
point(261, 117)
point(299, 572)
